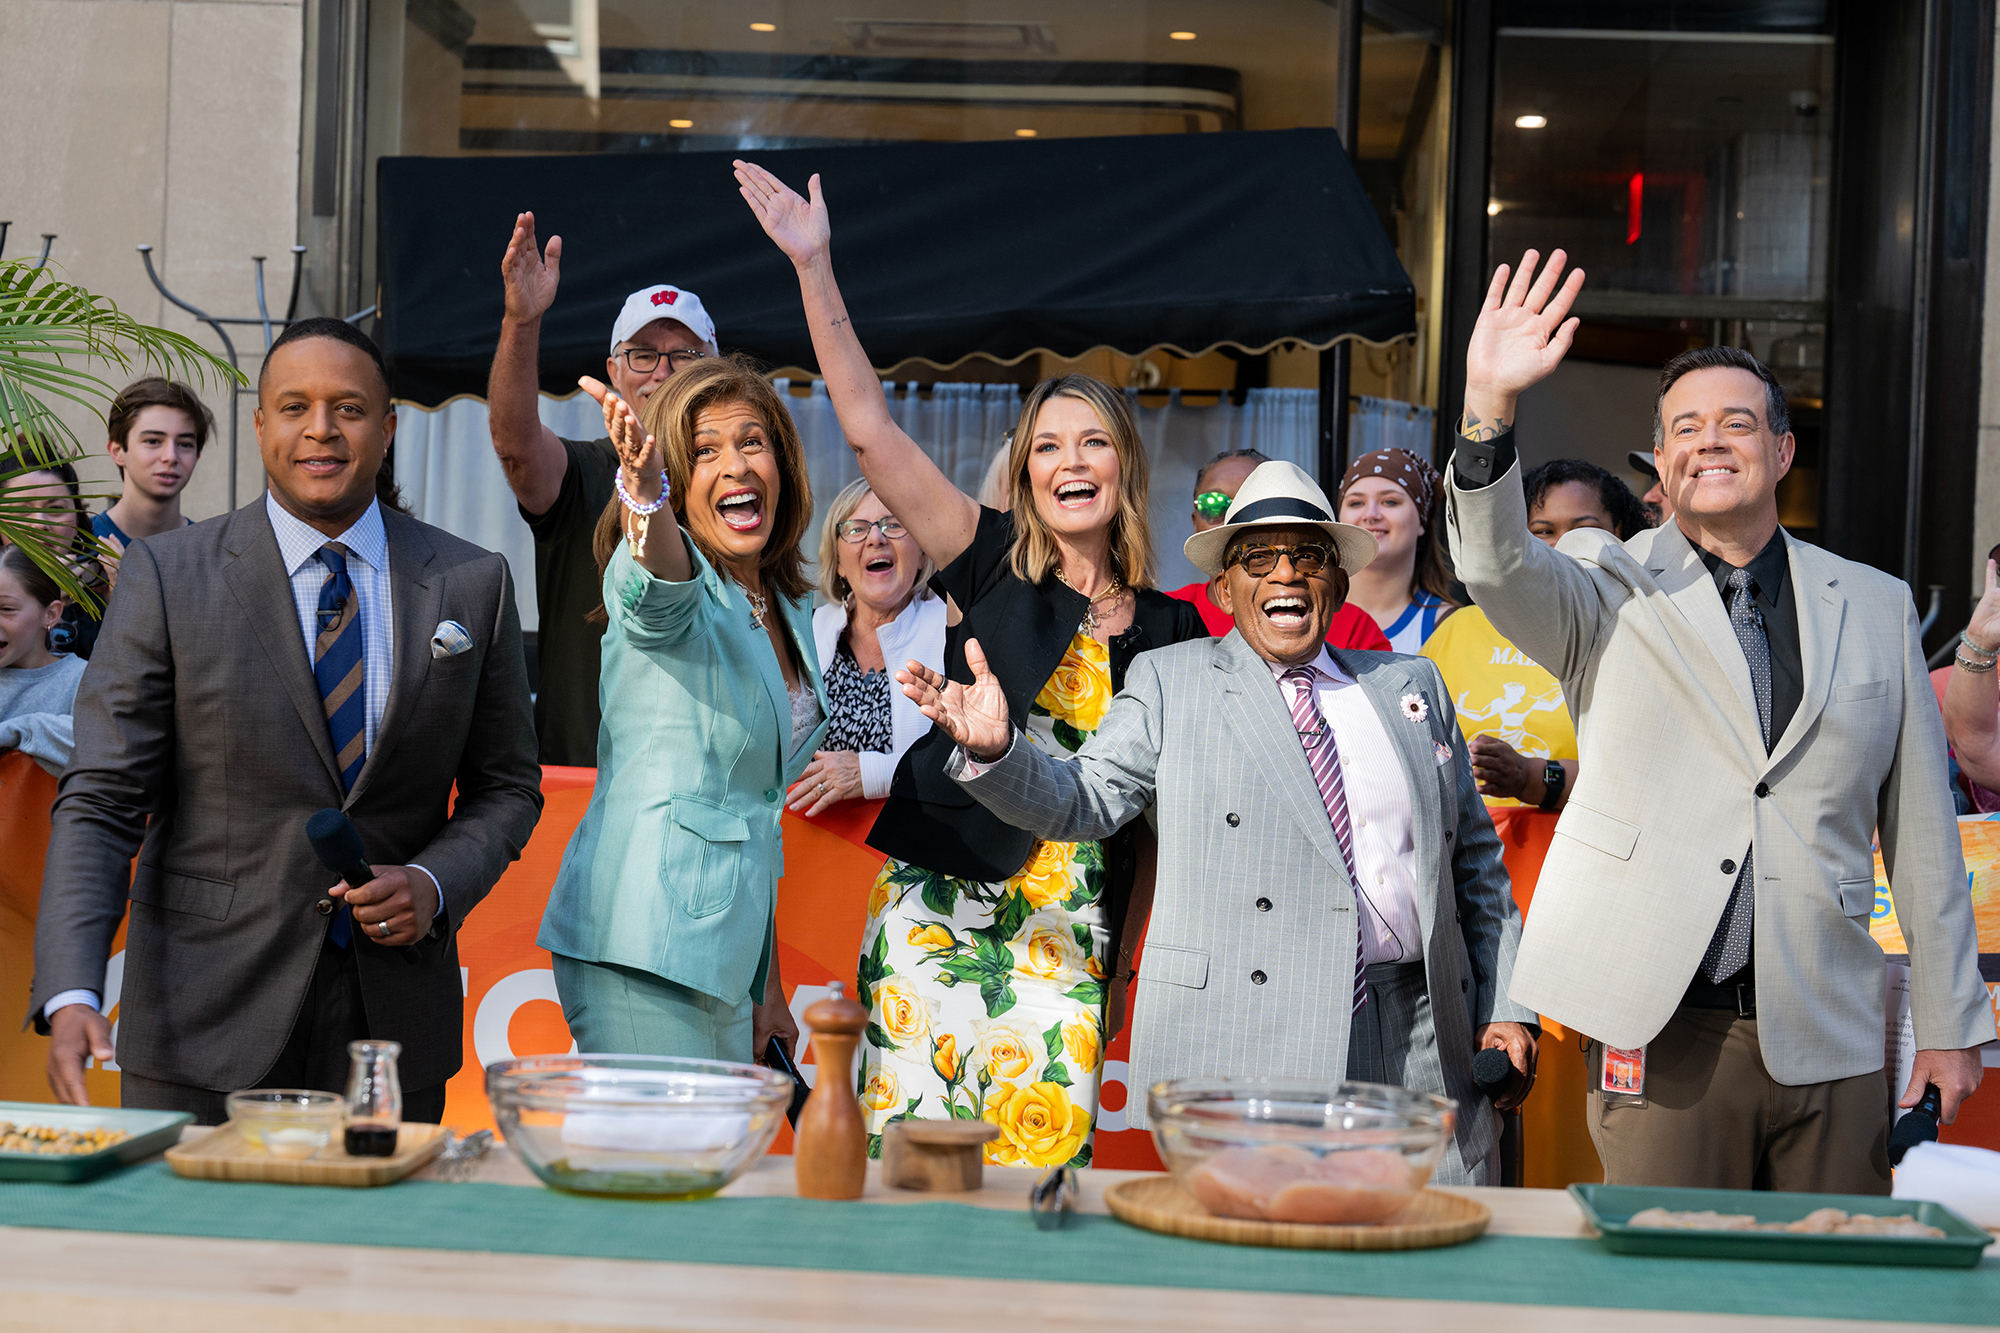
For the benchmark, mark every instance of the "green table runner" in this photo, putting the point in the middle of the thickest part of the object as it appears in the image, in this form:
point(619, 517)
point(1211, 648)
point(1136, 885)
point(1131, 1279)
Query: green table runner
point(958, 1240)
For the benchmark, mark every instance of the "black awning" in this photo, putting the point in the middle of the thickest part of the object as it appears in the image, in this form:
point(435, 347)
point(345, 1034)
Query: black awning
point(1187, 241)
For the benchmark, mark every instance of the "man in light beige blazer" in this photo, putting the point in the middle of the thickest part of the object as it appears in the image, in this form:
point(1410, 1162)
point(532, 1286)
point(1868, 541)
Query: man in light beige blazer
point(1750, 711)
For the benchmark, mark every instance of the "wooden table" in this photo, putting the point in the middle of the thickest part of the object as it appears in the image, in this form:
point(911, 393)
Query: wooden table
point(63, 1281)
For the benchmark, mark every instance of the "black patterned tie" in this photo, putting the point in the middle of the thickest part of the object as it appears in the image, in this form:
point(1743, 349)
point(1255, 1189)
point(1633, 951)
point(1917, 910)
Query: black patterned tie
point(1729, 950)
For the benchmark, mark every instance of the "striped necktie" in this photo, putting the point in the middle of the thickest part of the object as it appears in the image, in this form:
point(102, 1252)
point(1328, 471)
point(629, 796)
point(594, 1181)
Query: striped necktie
point(1323, 757)
point(337, 667)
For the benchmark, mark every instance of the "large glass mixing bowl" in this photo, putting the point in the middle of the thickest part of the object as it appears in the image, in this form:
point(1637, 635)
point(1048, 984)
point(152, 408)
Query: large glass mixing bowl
point(636, 1126)
point(1299, 1150)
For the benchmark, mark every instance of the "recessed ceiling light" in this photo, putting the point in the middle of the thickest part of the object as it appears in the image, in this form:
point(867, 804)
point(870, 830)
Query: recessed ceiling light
point(1530, 122)
point(1024, 134)
point(1492, 208)
point(681, 124)
point(763, 27)
point(1181, 36)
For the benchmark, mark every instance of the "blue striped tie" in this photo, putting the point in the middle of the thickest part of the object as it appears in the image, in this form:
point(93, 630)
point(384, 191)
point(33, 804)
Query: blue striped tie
point(337, 668)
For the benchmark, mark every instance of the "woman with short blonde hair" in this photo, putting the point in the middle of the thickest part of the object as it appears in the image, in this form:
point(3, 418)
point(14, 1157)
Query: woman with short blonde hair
point(879, 614)
point(1058, 592)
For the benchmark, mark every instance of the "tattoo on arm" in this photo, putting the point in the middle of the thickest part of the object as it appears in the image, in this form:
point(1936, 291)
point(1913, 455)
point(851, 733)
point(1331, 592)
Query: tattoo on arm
point(1472, 428)
point(838, 322)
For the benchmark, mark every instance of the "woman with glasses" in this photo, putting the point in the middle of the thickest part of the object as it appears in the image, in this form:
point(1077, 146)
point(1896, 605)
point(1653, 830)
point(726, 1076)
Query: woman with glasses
point(990, 954)
point(878, 616)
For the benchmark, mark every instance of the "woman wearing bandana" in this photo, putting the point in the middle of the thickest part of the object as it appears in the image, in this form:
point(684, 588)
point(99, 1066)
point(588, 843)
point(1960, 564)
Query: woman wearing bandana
point(1395, 496)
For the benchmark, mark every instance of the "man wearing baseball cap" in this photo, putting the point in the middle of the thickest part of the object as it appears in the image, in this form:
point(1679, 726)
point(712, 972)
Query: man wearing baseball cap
point(563, 485)
point(1330, 901)
point(1655, 498)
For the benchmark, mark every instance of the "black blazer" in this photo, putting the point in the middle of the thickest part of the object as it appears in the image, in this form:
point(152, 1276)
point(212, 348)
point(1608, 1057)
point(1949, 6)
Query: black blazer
point(931, 821)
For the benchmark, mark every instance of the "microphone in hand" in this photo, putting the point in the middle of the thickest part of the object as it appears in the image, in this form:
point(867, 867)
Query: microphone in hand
point(338, 845)
point(1496, 1076)
point(1919, 1126)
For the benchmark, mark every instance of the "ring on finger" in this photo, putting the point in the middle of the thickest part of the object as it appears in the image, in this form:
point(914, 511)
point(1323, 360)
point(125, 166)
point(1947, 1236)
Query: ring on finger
point(382, 927)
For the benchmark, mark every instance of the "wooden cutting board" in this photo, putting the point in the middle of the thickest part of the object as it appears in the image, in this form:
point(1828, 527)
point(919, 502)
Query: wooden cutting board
point(1158, 1203)
point(227, 1155)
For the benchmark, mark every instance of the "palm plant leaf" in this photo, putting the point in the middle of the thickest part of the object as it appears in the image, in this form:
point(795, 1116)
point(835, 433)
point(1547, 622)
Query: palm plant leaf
point(52, 334)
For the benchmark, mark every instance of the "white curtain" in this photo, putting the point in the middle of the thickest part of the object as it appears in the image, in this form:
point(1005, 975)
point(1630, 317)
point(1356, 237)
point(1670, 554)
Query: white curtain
point(449, 475)
point(1385, 423)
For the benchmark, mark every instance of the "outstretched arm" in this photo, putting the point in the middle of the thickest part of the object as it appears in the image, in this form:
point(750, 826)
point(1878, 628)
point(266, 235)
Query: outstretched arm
point(940, 516)
point(1544, 601)
point(534, 459)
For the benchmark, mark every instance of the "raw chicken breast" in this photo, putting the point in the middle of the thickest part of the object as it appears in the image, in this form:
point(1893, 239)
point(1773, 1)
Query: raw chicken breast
point(1286, 1184)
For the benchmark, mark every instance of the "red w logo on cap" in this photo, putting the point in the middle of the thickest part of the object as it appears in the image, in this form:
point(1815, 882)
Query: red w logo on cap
point(667, 297)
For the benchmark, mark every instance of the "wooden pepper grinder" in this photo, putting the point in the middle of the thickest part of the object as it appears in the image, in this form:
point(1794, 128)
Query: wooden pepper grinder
point(830, 1153)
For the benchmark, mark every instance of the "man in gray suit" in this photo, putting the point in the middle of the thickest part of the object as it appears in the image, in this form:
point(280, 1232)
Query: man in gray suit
point(1330, 899)
point(316, 648)
point(1750, 711)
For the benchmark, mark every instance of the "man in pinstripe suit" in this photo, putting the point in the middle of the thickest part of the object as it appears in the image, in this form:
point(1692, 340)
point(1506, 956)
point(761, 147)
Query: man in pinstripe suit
point(1331, 899)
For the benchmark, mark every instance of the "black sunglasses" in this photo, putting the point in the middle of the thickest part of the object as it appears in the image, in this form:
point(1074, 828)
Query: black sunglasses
point(1308, 558)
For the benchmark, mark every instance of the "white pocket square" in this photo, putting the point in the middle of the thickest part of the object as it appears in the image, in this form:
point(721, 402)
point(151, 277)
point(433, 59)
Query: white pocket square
point(449, 639)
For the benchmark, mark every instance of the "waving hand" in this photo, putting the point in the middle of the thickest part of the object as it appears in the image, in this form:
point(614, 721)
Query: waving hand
point(1523, 332)
point(974, 715)
point(798, 226)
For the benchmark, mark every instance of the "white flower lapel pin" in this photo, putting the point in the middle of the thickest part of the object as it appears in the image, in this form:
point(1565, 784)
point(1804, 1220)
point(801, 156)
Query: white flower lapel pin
point(1414, 707)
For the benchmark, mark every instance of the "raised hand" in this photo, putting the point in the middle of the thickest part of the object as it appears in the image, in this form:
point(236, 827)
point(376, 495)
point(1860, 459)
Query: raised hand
point(528, 276)
point(637, 451)
point(1523, 332)
point(1984, 630)
point(800, 227)
point(974, 715)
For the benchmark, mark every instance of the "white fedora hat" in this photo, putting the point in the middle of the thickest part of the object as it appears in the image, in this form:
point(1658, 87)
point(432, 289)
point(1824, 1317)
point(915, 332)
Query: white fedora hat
point(1280, 494)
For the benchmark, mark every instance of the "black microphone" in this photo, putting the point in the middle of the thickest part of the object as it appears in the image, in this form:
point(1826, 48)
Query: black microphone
point(1495, 1075)
point(1919, 1126)
point(337, 843)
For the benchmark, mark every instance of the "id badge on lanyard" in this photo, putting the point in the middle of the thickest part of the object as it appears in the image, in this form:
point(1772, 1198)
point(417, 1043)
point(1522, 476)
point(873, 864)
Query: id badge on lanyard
point(1621, 1077)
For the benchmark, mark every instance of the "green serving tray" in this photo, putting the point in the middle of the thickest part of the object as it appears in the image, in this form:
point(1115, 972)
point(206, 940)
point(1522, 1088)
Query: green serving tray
point(1610, 1208)
point(151, 1131)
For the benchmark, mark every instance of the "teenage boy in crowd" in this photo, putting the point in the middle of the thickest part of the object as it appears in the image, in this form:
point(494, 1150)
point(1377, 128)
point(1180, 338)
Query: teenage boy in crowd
point(563, 485)
point(157, 430)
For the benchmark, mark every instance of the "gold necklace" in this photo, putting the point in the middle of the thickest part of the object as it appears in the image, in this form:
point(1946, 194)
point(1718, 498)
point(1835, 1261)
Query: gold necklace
point(1090, 609)
point(758, 606)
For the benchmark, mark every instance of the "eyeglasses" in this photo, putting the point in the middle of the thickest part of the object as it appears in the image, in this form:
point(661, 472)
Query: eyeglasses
point(855, 530)
point(1212, 504)
point(645, 360)
point(1308, 558)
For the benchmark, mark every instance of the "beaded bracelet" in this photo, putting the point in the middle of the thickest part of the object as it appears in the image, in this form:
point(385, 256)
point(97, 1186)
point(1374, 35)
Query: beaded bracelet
point(1977, 668)
point(625, 497)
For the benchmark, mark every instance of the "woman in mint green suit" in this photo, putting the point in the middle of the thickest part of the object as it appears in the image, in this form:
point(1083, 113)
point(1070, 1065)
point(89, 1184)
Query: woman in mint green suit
point(661, 919)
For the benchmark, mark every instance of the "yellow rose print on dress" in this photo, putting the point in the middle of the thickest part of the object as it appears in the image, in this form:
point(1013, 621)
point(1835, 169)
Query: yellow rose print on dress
point(1082, 1041)
point(932, 938)
point(883, 891)
point(880, 1092)
point(944, 1057)
point(1046, 949)
point(1039, 1125)
point(1006, 1050)
point(1079, 692)
point(1045, 880)
point(904, 1010)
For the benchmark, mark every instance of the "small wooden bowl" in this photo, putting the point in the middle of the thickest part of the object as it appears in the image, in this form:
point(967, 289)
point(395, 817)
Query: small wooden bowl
point(936, 1156)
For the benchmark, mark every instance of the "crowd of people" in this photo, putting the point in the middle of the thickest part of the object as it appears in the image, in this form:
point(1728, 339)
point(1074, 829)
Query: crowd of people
point(1281, 774)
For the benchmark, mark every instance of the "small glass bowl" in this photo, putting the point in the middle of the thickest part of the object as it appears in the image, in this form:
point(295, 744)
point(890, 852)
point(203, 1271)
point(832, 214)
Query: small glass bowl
point(292, 1123)
point(1299, 1150)
point(636, 1126)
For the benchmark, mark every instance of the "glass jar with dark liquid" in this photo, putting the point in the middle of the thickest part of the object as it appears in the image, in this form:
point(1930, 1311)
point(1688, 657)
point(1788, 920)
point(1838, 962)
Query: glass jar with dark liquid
point(374, 1098)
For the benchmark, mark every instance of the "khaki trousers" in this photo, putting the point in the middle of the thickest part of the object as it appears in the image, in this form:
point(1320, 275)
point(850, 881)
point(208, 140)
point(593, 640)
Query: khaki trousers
point(1714, 1118)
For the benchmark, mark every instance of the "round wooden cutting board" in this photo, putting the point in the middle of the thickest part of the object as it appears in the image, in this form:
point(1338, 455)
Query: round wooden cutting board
point(1158, 1203)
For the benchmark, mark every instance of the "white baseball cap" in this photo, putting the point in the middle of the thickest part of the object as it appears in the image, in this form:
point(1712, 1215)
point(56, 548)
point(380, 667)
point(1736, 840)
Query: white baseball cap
point(664, 302)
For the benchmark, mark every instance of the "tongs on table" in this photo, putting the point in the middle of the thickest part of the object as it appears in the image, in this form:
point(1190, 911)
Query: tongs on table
point(1053, 1198)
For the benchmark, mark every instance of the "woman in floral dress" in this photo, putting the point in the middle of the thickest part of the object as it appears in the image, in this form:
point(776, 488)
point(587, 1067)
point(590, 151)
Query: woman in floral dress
point(987, 955)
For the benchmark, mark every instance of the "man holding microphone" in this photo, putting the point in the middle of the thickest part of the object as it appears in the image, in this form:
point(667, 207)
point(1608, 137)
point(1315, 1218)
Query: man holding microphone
point(1751, 710)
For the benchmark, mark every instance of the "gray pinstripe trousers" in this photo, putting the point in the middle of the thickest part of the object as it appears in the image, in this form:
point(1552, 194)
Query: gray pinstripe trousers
point(1395, 1042)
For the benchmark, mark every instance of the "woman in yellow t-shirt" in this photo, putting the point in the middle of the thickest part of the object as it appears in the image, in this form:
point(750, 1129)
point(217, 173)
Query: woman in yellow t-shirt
point(1519, 730)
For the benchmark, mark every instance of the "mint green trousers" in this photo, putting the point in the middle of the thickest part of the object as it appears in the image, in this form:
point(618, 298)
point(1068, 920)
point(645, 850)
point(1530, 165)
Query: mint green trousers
point(613, 1010)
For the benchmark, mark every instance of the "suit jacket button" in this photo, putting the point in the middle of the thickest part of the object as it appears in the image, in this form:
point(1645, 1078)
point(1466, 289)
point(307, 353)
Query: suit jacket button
point(1728, 867)
point(1763, 789)
point(1257, 978)
point(324, 907)
point(1232, 819)
point(772, 795)
point(1465, 984)
point(1263, 904)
